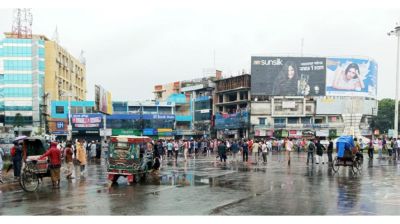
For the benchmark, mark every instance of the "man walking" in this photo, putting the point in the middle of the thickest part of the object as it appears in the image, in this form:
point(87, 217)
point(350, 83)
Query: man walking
point(310, 151)
point(320, 152)
point(222, 151)
point(245, 147)
point(330, 151)
point(254, 151)
point(69, 161)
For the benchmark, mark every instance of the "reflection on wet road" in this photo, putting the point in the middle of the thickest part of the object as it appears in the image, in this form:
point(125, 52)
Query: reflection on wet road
point(205, 187)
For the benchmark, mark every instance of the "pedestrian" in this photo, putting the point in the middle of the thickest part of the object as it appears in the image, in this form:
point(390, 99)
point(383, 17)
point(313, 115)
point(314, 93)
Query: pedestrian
point(235, 150)
point(54, 155)
point(185, 149)
point(389, 147)
point(380, 146)
point(81, 156)
point(222, 151)
point(245, 147)
point(1, 165)
point(330, 150)
point(254, 151)
point(17, 159)
point(310, 151)
point(264, 149)
point(98, 150)
point(395, 147)
point(104, 149)
point(170, 147)
point(69, 160)
point(289, 148)
point(398, 148)
point(371, 149)
point(320, 152)
point(93, 151)
point(176, 150)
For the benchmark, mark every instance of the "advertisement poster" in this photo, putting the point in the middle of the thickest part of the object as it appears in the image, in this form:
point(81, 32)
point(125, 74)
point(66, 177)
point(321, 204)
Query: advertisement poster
point(351, 77)
point(86, 120)
point(103, 100)
point(288, 76)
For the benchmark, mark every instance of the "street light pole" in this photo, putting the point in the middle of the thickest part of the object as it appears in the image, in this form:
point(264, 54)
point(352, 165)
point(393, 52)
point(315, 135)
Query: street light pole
point(396, 32)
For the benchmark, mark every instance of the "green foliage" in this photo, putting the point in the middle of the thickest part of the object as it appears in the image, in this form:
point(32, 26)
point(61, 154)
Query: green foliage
point(385, 118)
point(18, 120)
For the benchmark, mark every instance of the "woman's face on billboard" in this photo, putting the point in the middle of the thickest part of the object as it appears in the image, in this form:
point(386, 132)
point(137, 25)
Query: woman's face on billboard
point(290, 72)
point(351, 73)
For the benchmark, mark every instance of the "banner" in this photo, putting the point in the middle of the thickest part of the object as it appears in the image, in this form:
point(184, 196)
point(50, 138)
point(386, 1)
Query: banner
point(102, 100)
point(288, 76)
point(86, 120)
point(351, 77)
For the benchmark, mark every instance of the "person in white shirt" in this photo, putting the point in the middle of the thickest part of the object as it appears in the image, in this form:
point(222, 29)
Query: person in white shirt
point(264, 149)
point(288, 147)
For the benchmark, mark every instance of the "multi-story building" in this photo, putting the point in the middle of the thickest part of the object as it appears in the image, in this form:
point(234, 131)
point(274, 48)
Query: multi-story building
point(231, 106)
point(150, 118)
point(33, 72)
point(200, 93)
point(64, 74)
point(22, 77)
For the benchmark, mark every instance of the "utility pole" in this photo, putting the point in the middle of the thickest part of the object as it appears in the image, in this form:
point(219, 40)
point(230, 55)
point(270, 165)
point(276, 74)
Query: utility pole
point(396, 32)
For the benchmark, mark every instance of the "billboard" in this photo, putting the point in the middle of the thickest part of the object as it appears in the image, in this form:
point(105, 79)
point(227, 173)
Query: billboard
point(87, 120)
point(351, 77)
point(288, 76)
point(103, 102)
point(349, 105)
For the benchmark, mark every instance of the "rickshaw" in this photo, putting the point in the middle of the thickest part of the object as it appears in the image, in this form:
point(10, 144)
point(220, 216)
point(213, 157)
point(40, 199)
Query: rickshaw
point(33, 169)
point(130, 158)
point(346, 155)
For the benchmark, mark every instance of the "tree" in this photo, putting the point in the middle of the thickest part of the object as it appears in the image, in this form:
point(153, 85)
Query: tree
point(18, 120)
point(385, 118)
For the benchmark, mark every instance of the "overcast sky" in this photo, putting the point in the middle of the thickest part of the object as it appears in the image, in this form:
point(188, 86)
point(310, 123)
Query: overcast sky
point(131, 48)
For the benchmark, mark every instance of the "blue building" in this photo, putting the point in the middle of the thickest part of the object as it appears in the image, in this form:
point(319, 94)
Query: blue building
point(154, 119)
point(22, 71)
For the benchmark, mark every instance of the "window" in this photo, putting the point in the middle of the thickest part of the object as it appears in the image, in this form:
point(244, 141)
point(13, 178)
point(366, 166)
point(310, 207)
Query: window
point(334, 119)
point(319, 120)
point(293, 120)
point(280, 120)
point(262, 120)
point(278, 108)
point(59, 109)
point(308, 108)
point(306, 120)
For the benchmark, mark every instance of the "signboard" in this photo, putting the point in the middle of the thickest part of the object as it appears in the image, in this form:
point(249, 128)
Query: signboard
point(150, 131)
point(351, 77)
point(60, 124)
point(105, 132)
point(391, 133)
point(288, 76)
point(351, 105)
point(322, 133)
point(288, 104)
point(125, 132)
point(86, 120)
point(103, 102)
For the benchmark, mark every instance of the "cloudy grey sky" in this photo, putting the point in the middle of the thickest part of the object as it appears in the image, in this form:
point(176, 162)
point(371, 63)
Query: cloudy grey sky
point(131, 48)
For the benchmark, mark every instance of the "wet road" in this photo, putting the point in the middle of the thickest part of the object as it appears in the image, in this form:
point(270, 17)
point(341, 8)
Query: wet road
point(202, 186)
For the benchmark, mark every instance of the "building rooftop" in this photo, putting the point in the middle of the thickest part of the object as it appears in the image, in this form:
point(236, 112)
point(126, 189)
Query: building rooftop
point(34, 36)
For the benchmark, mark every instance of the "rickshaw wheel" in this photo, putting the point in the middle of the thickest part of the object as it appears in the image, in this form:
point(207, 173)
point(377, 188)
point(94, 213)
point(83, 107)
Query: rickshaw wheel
point(356, 167)
point(335, 165)
point(29, 181)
